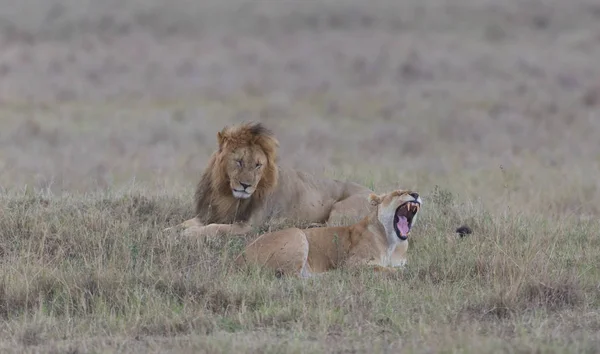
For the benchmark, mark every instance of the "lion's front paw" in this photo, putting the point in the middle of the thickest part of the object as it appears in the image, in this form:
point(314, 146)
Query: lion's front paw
point(190, 223)
point(192, 228)
point(200, 230)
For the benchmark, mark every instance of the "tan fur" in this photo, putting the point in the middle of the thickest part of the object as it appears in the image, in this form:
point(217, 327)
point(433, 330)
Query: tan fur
point(370, 242)
point(247, 153)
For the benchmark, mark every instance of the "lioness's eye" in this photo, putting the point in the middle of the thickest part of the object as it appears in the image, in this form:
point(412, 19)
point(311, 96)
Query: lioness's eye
point(258, 164)
point(239, 163)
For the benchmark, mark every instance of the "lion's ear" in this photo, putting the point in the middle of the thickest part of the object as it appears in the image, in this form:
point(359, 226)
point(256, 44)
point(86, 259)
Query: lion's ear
point(374, 199)
point(221, 139)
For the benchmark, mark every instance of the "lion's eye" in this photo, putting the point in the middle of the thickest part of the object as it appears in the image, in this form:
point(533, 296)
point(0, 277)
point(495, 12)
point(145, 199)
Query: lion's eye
point(258, 164)
point(239, 163)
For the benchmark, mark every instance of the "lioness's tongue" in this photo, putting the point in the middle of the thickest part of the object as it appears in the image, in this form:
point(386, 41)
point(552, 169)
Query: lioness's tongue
point(402, 225)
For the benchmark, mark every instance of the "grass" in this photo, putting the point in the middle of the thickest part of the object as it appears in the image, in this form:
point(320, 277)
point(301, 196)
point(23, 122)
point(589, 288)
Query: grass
point(96, 272)
point(108, 113)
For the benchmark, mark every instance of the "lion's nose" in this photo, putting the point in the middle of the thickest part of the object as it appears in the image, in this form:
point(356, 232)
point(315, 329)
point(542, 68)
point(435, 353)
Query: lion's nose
point(244, 185)
point(415, 195)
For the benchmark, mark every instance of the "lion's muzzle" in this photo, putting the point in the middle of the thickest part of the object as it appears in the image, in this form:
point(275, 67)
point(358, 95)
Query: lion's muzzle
point(243, 191)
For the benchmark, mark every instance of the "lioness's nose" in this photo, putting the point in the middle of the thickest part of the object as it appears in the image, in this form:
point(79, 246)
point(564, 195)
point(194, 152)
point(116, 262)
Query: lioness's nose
point(415, 195)
point(244, 185)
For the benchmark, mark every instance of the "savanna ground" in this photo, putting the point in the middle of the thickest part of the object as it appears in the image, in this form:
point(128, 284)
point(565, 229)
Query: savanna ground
point(109, 111)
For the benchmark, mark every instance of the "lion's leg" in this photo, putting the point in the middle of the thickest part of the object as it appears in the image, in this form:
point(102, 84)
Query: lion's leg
point(349, 210)
point(217, 229)
point(190, 223)
point(284, 251)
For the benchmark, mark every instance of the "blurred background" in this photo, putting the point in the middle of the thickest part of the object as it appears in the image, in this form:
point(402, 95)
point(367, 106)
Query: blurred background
point(485, 98)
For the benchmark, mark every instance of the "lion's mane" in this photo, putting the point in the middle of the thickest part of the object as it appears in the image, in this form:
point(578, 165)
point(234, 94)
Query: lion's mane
point(213, 198)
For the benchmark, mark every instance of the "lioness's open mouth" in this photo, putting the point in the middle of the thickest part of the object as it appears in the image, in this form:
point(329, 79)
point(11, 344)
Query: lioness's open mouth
point(403, 219)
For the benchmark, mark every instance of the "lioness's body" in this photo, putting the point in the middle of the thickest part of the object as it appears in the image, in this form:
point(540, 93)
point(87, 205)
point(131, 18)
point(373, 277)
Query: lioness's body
point(243, 187)
point(372, 241)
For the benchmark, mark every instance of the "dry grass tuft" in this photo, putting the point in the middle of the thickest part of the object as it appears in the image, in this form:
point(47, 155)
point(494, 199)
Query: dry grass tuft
point(561, 294)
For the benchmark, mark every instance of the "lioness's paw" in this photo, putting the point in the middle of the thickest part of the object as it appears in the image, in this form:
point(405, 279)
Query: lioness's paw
point(382, 269)
point(400, 265)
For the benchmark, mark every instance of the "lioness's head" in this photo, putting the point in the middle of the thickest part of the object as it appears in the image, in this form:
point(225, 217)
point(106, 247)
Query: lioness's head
point(247, 159)
point(397, 211)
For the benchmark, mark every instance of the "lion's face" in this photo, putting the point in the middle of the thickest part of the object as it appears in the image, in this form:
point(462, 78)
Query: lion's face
point(397, 211)
point(245, 167)
point(246, 160)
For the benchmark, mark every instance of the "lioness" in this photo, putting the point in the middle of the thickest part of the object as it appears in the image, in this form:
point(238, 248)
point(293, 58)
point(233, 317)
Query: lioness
point(243, 187)
point(380, 240)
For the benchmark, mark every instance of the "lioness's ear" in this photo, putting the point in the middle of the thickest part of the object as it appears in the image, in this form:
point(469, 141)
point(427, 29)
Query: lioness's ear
point(374, 199)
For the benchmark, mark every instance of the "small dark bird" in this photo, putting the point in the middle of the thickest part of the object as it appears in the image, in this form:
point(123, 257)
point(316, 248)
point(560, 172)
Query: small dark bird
point(464, 230)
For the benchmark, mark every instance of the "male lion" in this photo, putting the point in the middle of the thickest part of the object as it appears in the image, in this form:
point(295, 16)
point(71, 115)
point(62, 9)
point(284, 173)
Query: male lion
point(379, 240)
point(243, 187)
